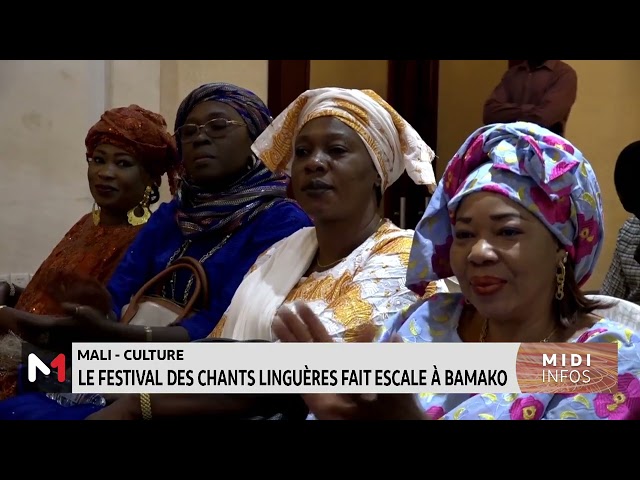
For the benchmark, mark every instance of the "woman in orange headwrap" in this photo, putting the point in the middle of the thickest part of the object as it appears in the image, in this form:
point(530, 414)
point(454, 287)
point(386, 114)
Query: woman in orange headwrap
point(128, 151)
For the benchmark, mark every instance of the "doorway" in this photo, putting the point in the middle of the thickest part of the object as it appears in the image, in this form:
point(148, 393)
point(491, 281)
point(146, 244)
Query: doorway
point(286, 80)
point(413, 91)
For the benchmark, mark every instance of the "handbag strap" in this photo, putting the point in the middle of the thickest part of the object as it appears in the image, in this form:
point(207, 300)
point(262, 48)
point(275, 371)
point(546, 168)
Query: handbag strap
point(201, 290)
point(200, 274)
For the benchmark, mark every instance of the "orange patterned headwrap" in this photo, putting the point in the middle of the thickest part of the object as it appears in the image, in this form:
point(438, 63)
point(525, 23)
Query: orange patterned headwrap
point(140, 132)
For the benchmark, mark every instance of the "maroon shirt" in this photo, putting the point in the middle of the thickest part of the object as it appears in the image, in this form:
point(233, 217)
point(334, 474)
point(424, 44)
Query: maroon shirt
point(543, 96)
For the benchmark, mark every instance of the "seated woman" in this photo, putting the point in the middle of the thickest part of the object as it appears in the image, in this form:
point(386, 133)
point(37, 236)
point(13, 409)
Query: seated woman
point(622, 279)
point(343, 148)
point(518, 219)
point(128, 151)
point(229, 208)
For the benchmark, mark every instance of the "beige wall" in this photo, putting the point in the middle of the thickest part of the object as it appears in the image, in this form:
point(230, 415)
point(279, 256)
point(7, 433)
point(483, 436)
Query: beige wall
point(370, 74)
point(604, 120)
point(464, 86)
point(134, 81)
point(46, 108)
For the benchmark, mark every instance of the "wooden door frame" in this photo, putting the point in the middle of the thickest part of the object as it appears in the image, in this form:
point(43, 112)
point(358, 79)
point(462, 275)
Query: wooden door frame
point(286, 80)
point(412, 89)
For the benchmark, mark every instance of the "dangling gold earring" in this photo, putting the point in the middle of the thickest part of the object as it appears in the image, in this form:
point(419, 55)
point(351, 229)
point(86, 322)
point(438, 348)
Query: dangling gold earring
point(95, 213)
point(135, 219)
point(560, 276)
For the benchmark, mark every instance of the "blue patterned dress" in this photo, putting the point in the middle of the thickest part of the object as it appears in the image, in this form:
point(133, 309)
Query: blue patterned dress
point(436, 320)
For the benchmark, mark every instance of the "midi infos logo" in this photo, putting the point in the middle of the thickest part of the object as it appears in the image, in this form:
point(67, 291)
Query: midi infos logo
point(568, 368)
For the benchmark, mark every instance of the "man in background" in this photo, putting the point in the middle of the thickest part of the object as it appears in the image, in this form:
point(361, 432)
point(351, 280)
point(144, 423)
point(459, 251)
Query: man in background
point(537, 91)
point(623, 278)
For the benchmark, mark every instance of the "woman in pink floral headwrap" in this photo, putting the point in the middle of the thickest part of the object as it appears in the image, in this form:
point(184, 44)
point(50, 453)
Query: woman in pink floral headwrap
point(517, 218)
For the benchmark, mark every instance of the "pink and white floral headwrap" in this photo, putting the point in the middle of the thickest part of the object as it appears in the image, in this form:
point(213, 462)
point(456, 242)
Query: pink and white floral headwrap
point(530, 165)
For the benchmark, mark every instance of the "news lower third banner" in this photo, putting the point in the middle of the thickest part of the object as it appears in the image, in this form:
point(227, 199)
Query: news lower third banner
point(237, 367)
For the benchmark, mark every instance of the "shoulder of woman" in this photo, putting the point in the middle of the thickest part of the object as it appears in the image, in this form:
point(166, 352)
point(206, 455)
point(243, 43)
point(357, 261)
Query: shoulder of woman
point(301, 235)
point(166, 208)
point(285, 211)
point(427, 320)
point(164, 214)
point(606, 330)
point(85, 222)
point(391, 230)
point(390, 239)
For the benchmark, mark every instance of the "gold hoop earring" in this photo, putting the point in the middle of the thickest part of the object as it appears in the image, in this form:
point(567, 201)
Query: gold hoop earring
point(132, 216)
point(560, 278)
point(95, 214)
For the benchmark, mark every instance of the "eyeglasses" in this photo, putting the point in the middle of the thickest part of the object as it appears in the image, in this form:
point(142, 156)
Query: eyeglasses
point(215, 128)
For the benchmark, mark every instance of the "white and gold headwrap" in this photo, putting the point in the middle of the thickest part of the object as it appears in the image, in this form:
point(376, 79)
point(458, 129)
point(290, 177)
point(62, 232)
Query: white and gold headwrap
point(393, 144)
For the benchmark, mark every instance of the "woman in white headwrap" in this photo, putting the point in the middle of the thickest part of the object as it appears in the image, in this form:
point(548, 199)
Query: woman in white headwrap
point(342, 148)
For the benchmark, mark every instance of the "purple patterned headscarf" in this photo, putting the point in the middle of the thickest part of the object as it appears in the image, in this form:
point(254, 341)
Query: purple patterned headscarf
point(531, 166)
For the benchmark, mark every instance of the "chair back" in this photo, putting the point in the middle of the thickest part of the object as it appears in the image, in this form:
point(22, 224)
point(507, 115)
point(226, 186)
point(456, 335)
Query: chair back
point(623, 311)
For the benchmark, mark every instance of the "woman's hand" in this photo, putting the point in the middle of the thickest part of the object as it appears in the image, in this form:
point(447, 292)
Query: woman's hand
point(126, 407)
point(387, 406)
point(7, 320)
point(55, 332)
point(372, 406)
point(87, 317)
point(36, 329)
point(305, 326)
point(9, 294)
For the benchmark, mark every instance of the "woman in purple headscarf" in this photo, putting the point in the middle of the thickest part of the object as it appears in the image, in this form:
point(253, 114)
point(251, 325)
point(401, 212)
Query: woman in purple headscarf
point(518, 219)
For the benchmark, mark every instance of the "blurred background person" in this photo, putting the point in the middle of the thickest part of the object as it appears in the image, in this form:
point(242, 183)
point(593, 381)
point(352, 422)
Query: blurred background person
point(537, 91)
point(623, 277)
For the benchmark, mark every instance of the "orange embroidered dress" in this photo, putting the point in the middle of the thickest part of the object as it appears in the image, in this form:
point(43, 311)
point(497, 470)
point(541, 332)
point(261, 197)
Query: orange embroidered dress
point(86, 250)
